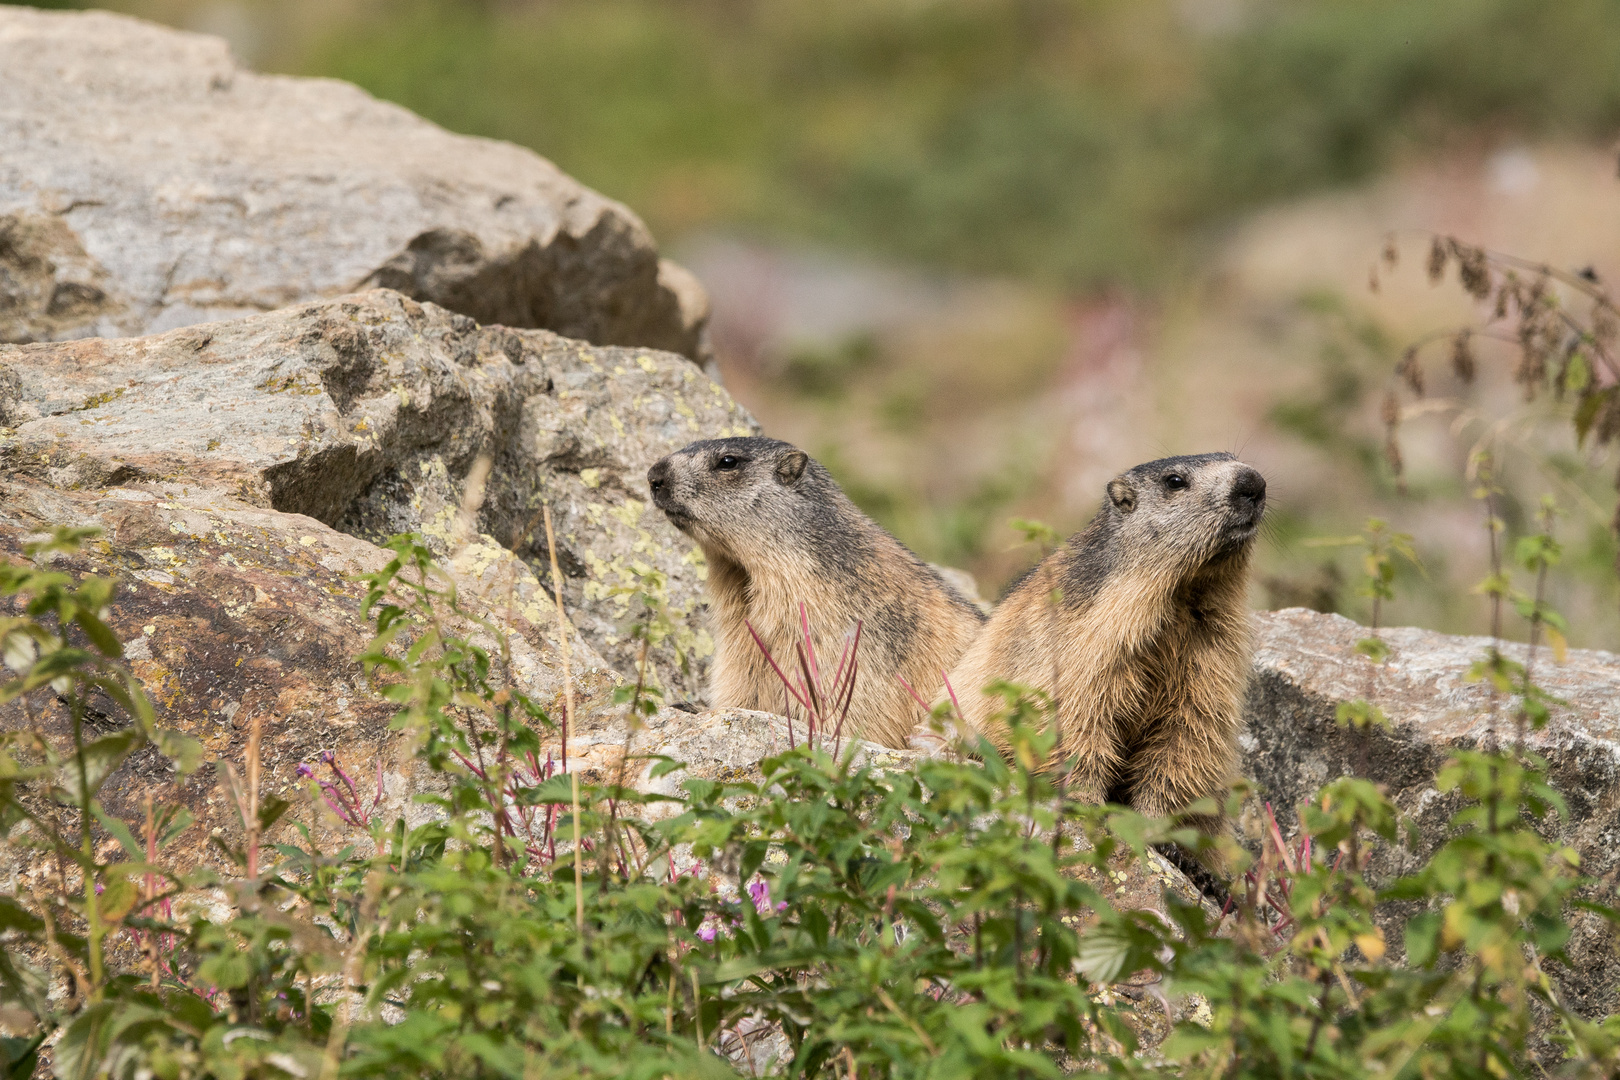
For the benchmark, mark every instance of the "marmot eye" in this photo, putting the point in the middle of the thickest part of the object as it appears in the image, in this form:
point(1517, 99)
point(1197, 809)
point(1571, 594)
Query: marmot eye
point(1175, 481)
point(727, 462)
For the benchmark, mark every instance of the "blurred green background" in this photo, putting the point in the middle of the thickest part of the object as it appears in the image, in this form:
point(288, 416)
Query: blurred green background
point(979, 255)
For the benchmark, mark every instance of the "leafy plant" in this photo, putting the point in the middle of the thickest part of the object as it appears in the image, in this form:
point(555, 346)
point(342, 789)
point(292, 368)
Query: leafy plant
point(831, 918)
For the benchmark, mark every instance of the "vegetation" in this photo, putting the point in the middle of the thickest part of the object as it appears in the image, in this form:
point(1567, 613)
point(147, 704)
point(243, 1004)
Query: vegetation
point(1080, 144)
point(833, 919)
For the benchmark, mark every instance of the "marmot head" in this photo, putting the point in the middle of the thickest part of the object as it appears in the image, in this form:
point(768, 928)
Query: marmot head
point(1184, 513)
point(747, 497)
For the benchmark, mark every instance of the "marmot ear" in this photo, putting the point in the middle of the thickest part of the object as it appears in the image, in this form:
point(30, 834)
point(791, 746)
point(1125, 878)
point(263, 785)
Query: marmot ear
point(791, 467)
point(1122, 495)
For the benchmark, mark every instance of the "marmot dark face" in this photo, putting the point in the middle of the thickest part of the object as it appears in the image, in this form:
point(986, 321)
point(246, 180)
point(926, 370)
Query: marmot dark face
point(1138, 630)
point(780, 537)
point(719, 490)
point(1183, 513)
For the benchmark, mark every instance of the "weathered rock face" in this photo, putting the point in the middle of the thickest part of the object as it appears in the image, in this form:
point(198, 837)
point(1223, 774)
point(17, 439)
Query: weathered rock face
point(1306, 663)
point(147, 183)
point(367, 413)
point(230, 612)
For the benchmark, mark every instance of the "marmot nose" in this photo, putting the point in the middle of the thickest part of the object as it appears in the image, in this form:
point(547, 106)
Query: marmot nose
point(658, 476)
point(1249, 490)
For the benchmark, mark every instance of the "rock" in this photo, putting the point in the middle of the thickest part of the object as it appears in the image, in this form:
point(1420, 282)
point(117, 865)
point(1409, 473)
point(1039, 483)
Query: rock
point(1306, 663)
point(367, 413)
point(229, 612)
point(148, 182)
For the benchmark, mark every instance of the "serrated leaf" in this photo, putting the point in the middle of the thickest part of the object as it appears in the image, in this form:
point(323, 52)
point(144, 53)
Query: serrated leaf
point(557, 789)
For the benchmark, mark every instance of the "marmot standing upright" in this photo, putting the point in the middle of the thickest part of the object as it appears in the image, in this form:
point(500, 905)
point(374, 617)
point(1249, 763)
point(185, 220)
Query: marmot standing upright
point(777, 531)
point(1139, 631)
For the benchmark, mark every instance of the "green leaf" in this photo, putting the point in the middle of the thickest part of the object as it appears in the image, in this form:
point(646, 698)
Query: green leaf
point(183, 750)
point(119, 831)
point(753, 855)
point(557, 789)
point(664, 767)
point(100, 635)
point(13, 916)
point(270, 810)
point(101, 758)
point(118, 894)
point(19, 1057)
point(1586, 413)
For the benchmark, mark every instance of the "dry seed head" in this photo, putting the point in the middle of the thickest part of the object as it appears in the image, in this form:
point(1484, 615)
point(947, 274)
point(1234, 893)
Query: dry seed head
point(1410, 371)
point(1607, 425)
point(1392, 454)
point(1532, 369)
point(1462, 357)
point(1437, 259)
point(1391, 410)
point(1473, 270)
point(1604, 326)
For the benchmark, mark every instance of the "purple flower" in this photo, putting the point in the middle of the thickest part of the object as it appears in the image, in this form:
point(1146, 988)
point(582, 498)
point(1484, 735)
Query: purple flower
point(706, 933)
point(760, 893)
point(328, 757)
point(305, 770)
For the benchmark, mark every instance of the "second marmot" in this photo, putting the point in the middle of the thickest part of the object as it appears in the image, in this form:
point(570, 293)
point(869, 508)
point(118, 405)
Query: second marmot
point(1139, 631)
point(778, 532)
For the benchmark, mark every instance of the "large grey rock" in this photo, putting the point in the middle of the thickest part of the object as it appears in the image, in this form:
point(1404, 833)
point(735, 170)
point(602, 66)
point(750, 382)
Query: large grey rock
point(147, 182)
point(367, 413)
point(1305, 664)
point(231, 613)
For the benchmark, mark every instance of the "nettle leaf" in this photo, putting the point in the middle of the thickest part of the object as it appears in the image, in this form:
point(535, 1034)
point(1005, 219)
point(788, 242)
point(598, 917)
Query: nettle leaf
point(557, 789)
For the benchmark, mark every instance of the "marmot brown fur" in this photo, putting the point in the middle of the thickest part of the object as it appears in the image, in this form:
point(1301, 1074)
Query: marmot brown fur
point(777, 531)
point(1139, 631)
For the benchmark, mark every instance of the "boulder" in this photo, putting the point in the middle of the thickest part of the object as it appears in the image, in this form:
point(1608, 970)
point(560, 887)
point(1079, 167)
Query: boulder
point(230, 612)
point(367, 414)
point(148, 183)
point(1306, 664)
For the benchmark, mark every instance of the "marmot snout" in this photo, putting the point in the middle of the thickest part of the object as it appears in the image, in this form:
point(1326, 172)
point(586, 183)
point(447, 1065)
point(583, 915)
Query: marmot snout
point(1138, 629)
point(777, 531)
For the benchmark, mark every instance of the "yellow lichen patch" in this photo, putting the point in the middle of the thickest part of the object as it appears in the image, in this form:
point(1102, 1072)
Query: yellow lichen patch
point(96, 401)
point(591, 478)
point(648, 364)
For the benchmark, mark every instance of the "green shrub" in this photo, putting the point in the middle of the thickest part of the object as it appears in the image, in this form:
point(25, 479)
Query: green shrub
point(934, 921)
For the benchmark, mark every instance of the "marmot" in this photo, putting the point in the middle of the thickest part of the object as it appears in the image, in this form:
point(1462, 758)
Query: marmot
point(1138, 629)
point(777, 531)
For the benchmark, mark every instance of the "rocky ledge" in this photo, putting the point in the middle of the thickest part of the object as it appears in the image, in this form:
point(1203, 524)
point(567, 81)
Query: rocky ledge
point(1306, 664)
point(148, 182)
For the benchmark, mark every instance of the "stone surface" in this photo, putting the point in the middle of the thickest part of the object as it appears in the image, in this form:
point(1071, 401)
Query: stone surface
point(367, 413)
point(147, 182)
point(1305, 664)
point(229, 611)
